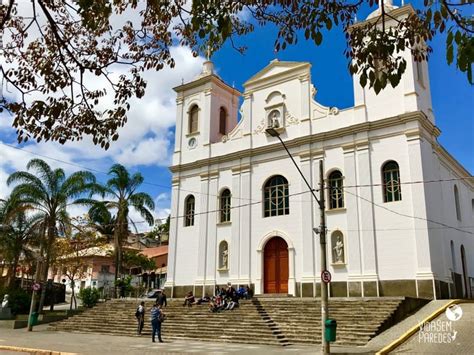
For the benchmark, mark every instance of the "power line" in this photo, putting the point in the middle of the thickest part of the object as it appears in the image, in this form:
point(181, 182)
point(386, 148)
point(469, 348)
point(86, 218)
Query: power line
point(410, 182)
point(105, 173)
point(408, 216)
point(214, 195)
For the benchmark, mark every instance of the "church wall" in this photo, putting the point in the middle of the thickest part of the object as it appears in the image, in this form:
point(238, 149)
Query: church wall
point(187, 241)
point(394, 233)
point(386, 253)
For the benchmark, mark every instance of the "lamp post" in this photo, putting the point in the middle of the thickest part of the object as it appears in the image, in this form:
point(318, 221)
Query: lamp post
point(322, 240)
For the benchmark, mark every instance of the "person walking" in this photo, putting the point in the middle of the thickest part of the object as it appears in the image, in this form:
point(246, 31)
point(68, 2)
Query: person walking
point(140, 315)
point(161, 299)
point(156, 319)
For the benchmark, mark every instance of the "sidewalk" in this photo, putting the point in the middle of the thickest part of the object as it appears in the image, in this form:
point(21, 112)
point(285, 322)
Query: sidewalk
point(438, 337)
point(82, 343)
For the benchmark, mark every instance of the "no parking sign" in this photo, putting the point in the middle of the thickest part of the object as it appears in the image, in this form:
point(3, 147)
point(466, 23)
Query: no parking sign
point(326, 276)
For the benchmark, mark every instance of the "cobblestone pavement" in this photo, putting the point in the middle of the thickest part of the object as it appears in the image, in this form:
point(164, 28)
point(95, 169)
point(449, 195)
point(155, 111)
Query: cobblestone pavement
point(437, 337)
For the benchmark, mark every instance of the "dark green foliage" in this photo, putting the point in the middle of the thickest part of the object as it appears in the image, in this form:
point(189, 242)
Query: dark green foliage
point(89, 296)
point(19, 299)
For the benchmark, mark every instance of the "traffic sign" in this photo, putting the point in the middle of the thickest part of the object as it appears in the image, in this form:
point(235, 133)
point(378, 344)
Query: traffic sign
point(36, 287)
point(326, 276)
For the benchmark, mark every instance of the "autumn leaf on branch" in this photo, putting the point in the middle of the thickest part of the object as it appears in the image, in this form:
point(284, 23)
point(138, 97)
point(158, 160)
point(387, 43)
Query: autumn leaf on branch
point(71, 68)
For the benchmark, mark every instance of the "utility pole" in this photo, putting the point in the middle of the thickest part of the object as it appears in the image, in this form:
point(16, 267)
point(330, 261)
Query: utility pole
point(325, 348)
point(322, 242)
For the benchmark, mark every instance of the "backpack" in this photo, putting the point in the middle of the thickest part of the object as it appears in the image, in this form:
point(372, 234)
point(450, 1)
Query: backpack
point(161, 317)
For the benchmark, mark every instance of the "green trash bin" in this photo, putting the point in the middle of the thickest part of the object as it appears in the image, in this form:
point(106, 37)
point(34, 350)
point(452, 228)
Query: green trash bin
point(34, 318)
point(330, 331)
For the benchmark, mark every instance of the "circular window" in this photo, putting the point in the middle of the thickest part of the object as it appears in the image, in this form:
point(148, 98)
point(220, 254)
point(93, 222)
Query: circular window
point(192, 143)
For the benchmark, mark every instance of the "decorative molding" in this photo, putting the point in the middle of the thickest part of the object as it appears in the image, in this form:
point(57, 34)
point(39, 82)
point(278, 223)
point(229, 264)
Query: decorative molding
point(290, 119)
point(260, 127)
point(334, 111)
point(241, 169)
point(348, 131)
point(209, 175)
point(175, 181)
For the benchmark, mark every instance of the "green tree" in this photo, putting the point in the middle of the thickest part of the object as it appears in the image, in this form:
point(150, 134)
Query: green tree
point(49, 192)
point(122, 189)
point(18, 230)
point(58, 49)
point(102, 220)
point(133, 259)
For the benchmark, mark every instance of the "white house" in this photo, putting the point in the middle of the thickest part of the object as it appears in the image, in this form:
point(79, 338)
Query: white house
point(400, 208)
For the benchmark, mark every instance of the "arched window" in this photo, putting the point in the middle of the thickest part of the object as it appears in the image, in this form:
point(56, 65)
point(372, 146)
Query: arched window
point(453, 256)
point(222, 121)
point(189, 206)
point(336, 193)
point(276, 197)
point(193, 119)
point(391, 182)
point(456, 202)
point(224, 205)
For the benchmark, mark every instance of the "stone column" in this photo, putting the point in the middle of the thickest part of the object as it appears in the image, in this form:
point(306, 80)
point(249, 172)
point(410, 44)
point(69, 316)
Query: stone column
point(234, 247)
point(366, 218)
point(246, 227)
point(203, 233)
point(180, 118)
point(352, 251)
point(173, 238)
point(307, 213)
point(424, 274)
point(212, 257)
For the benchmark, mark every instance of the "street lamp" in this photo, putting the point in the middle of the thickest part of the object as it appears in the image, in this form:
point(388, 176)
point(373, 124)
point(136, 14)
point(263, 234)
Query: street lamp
point(322, 240)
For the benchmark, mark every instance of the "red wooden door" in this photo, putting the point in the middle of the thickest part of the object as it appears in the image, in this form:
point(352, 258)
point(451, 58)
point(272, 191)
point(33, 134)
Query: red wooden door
point(275, 266)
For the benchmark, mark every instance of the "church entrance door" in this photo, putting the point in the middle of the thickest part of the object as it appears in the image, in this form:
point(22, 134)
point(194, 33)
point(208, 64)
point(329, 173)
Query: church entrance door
point(275, 276)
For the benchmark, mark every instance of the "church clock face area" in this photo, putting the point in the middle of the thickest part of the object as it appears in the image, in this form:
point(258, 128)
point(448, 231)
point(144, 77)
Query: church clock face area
point(192, 143)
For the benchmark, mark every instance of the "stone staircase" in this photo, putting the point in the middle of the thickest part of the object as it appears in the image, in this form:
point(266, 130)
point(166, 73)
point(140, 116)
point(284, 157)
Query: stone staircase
point(272, 321)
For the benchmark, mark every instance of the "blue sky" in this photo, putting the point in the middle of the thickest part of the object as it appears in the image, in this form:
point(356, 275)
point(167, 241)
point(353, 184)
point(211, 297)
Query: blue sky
point(146, 141)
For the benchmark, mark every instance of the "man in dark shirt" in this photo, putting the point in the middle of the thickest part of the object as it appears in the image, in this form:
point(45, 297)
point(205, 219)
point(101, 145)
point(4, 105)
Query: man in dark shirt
point(155, 314)
point(161, 299)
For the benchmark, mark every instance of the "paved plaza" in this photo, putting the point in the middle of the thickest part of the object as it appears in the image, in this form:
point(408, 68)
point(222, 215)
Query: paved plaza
point(437, 339)
point(85, 343)
point(443, 336)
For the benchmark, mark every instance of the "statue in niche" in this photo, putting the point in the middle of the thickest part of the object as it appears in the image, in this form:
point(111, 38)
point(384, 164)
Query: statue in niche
point(225, 257)
point(5, 311)
point(274, 119)
point(339, 251)
point(5, 302)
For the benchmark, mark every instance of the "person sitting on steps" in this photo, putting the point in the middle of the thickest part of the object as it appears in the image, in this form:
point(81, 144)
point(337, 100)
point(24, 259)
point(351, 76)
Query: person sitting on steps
point(189, 300)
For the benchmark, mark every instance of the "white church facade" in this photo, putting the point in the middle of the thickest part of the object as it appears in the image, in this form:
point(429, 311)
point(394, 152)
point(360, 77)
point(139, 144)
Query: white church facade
point(399, 207)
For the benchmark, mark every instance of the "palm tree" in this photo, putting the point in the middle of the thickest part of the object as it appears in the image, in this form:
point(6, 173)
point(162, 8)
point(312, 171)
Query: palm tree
point(122, 188)
point(102, 220)
point(17, 231)
point(49, 192)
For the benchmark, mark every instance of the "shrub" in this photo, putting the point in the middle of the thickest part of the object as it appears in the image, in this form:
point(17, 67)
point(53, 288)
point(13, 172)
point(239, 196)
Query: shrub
point(19, 300)
point(89, 296)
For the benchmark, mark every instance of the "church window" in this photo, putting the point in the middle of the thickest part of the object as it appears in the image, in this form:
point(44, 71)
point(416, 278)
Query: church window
point(189, 205)
point(222, 121)
point(456, 202)
point(336, 194)
point(276, 197)
point(225, 206)
point(193, 119)
point(391, 182)
point(453, 256)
